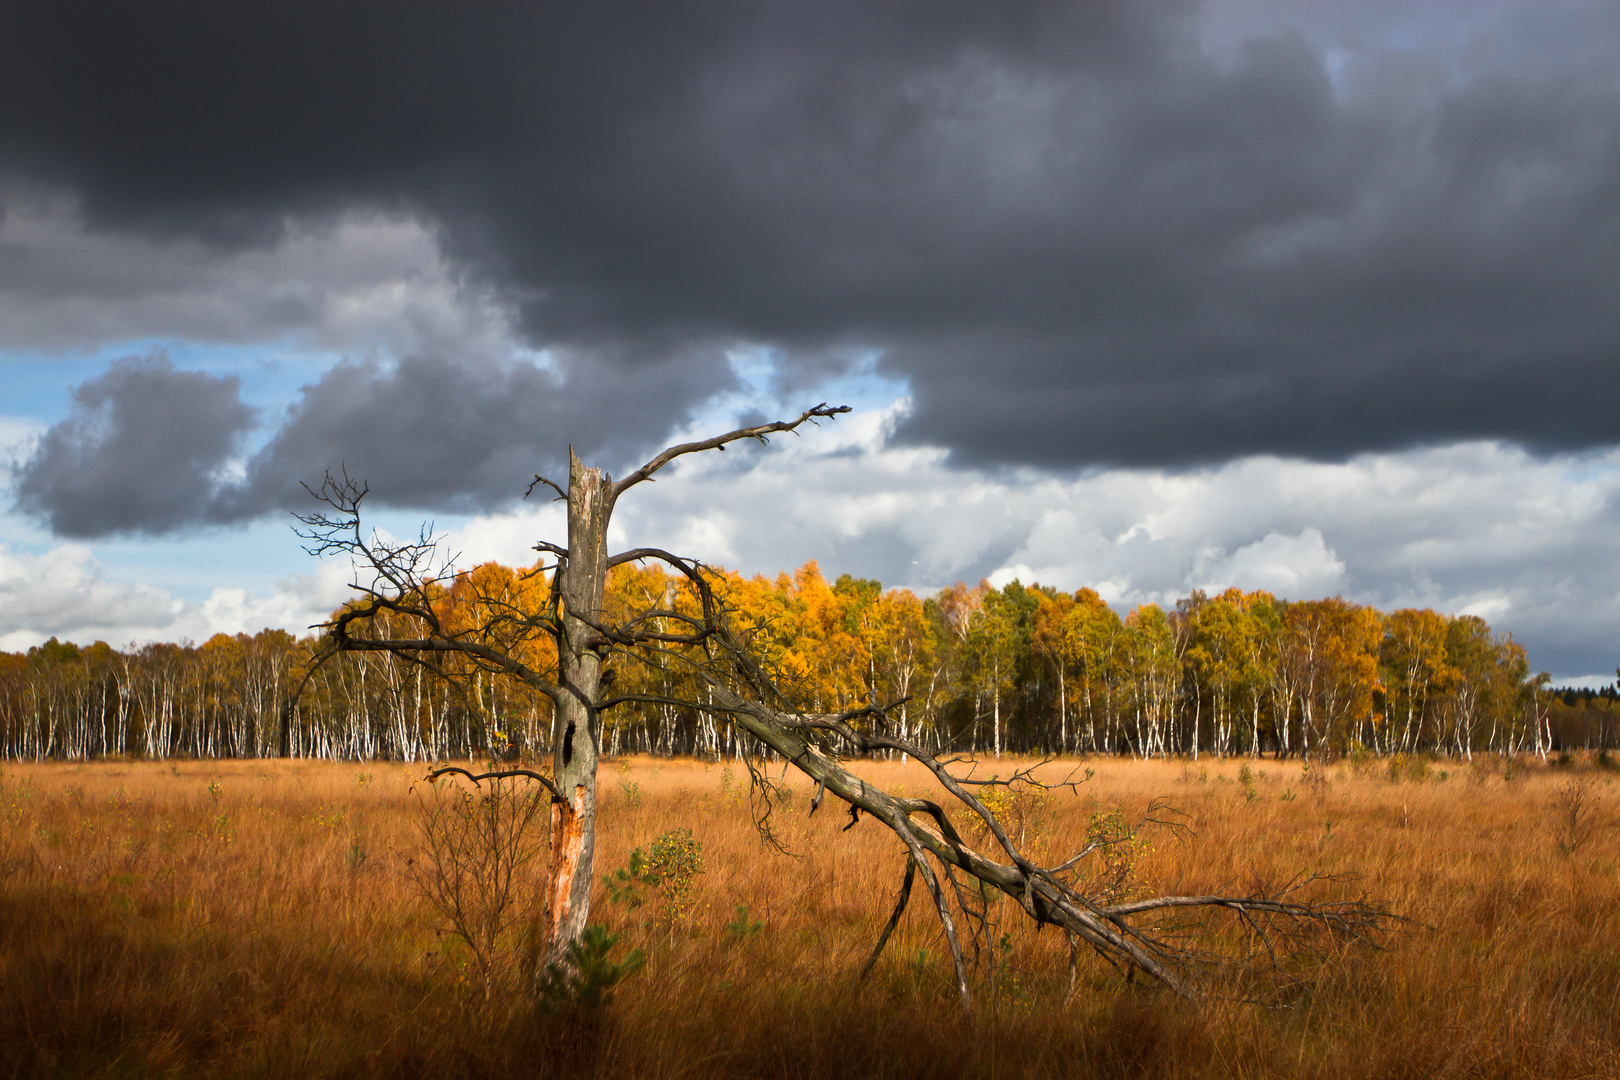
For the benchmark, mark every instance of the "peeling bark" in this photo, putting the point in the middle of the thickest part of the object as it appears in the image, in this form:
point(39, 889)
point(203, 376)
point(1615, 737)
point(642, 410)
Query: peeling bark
point(567, 850)
point(581, 581)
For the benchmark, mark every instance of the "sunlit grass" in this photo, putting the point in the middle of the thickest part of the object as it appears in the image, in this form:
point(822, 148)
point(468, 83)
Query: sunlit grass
point(258, 918)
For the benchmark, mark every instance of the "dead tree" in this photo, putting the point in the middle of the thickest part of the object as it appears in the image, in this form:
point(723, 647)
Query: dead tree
point(405, 580)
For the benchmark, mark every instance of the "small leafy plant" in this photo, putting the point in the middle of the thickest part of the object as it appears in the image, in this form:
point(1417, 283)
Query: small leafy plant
point(668, 866)
point(1573, 818)
point(629, 790)
point(1246, 778)
point(741, 927)
point(585, 983)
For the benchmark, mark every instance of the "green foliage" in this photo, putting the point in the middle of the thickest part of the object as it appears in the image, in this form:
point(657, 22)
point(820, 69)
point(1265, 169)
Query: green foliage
point(1358, 754)
point(668, 866)
point(1021, 808)
point(54, 652)
point(624, 884)
point(1246, 778)
point(585, 982)
point(731, 791)
point(1117, 846)
point(920, 968)
point(741, 927)
point(784, 796)
point(629, 790)
point(1574, 820)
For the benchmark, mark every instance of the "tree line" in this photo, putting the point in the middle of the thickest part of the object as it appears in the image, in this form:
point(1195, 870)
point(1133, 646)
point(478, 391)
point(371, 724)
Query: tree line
point(1016, 669)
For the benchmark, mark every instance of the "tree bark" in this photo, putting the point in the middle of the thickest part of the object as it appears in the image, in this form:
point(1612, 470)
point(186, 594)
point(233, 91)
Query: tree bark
point(576, 727)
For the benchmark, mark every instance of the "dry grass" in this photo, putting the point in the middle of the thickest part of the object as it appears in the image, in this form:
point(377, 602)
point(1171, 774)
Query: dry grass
point(258, 918)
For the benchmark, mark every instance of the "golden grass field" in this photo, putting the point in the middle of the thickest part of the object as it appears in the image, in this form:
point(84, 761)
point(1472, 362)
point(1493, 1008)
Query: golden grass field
point(258, 918)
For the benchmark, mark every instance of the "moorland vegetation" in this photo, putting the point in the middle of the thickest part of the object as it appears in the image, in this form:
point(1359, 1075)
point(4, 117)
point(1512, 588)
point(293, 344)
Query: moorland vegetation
point(268, 918)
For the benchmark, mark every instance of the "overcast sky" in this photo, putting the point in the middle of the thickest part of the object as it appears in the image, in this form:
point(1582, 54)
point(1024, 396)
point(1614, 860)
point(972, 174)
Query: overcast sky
point(1315, 297)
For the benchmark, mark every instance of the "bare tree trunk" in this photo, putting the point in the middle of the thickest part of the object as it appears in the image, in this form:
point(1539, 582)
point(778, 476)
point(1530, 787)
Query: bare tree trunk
point(576, 727)
point(996, 690)
point(1063, 711)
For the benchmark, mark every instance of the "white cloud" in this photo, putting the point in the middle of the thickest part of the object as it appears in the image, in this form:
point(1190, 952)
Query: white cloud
point(706, 538)
point(62, 593)
point(1491, 607)
point(509, 538)
point(18, 434)
point(1302, 565)
point(65, 593)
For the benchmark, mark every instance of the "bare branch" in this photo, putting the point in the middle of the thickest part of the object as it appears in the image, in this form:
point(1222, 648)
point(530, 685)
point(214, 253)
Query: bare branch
point(1025, 775)
point(947, 921)
point(494, 657)
point(562, 496)
point(689, 567)
point(1040, 893)
point(894, 919)
point(399, 569)
point(446, 770)
point(760, 432)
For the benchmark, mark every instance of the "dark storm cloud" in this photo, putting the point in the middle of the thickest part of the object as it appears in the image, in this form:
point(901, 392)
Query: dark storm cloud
point(439, 435)
point(140, 451)
point(147, 447)
point(1081, 236)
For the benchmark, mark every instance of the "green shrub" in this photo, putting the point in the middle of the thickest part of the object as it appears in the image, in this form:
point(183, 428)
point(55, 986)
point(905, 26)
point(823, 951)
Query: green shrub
point(668, 866)
point(585, 983)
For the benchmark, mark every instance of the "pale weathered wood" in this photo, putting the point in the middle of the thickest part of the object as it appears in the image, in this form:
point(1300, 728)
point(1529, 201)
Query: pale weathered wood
point(736, 690)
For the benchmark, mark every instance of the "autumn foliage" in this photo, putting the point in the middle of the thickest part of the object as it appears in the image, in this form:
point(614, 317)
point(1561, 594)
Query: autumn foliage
point(1014, 669)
